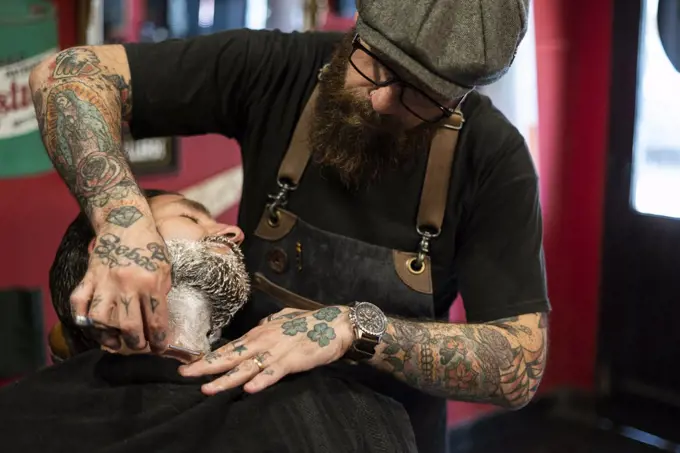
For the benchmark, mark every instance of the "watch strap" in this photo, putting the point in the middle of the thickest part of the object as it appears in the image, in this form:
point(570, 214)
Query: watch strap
point(362, 348)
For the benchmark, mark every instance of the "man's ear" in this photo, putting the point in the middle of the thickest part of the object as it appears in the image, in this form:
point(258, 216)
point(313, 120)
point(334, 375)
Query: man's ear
point(90, 246)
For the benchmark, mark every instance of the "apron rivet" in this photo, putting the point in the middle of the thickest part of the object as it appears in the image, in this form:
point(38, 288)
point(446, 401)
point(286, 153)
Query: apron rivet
point(277, 260)
point(413, 267)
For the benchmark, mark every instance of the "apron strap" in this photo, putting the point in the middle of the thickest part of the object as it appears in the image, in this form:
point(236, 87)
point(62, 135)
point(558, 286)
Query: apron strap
point(435, 190)
point(299, 151)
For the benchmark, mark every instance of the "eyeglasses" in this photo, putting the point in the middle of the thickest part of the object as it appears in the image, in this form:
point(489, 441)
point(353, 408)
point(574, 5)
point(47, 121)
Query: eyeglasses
point(379, 74)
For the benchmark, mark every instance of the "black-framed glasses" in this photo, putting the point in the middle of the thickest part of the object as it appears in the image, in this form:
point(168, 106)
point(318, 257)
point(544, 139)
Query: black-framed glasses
point(379, 74)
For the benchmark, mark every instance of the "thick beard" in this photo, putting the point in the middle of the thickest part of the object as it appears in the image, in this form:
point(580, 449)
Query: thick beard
point(348, 136)
point(220, 279)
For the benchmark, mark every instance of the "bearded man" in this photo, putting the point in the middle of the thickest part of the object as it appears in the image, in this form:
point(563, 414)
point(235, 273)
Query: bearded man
point(376, 180)
point(133, 401)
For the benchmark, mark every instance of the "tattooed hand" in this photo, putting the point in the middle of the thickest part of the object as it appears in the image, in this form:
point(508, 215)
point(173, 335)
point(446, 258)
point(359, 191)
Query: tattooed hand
point(290, 341)
point(125, 288)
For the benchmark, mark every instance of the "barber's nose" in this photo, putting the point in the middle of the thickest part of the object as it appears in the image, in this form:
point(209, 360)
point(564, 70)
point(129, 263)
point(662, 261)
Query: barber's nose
point(385, 100)
point(230, 231)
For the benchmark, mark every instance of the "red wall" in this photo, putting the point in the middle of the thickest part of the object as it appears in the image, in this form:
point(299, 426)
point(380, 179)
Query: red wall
point(573, 57)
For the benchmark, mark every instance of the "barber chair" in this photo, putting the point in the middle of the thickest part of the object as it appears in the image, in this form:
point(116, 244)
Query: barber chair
point(58, 344)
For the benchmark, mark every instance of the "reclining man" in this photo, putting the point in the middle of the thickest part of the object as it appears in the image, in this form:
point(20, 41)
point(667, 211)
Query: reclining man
point(98, 401)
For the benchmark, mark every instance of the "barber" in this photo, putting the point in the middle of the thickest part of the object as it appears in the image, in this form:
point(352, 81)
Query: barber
point(378, 185)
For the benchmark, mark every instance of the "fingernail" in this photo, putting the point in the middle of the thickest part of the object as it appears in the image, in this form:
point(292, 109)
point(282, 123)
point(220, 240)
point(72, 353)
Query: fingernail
point(211, 388)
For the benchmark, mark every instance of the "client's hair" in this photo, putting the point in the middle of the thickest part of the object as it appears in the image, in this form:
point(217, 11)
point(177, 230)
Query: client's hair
point(69, 268)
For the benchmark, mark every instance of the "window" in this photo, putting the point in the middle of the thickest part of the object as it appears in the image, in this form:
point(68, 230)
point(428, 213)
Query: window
point(656, 146)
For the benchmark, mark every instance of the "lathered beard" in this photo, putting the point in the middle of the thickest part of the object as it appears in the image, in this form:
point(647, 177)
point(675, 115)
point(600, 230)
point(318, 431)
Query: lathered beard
point(208, 288)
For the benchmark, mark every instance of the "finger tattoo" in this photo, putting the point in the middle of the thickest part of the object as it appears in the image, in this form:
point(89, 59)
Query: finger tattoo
point(96, 300)
point(126, 303)
point(153, 302)
point(212, 356)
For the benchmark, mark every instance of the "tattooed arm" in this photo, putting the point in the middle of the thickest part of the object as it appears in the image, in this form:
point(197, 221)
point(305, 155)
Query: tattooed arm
point(81, 97)
point(500, 362)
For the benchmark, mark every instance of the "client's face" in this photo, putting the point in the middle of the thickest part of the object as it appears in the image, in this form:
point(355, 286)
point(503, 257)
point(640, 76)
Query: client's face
point(209, 280)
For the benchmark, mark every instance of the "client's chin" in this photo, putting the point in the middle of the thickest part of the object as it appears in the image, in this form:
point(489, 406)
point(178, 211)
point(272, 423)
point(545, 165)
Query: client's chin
point(209, 285)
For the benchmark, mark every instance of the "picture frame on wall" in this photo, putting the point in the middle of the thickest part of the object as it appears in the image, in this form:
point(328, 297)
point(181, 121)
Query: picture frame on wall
point(108, 23)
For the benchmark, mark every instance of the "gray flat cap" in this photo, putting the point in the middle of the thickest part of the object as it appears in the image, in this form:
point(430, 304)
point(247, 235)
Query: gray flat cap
point(448, 45)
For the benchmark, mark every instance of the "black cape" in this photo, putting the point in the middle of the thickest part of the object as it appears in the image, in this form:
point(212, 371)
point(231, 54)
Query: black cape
point(100, 402)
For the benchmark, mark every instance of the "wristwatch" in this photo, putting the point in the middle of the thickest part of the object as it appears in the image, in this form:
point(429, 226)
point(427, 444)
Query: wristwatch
point(369, 324)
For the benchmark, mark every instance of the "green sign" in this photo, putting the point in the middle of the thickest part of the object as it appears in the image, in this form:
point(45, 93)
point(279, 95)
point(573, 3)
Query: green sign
point(28, 34)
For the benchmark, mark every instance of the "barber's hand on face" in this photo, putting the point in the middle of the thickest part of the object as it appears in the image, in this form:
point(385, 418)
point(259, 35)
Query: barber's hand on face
point(125, 287)
point(287, 342)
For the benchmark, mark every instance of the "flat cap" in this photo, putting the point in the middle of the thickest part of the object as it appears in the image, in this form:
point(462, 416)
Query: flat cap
point(450, 46)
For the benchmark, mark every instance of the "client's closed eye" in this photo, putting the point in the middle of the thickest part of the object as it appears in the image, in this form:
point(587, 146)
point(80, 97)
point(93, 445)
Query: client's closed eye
point(192, 218)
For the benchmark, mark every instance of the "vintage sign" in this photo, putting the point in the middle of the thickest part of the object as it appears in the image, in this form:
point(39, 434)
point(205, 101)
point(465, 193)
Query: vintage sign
point(28, 34)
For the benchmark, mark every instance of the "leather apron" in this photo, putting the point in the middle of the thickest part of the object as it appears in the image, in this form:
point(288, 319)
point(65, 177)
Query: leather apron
point(294, 264)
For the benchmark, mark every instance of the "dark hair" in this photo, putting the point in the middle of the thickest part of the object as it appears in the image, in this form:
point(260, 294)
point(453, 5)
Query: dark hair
point(69, 268)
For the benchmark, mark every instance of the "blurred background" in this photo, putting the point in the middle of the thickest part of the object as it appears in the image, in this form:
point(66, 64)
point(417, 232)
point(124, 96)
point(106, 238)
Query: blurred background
point(595, 89)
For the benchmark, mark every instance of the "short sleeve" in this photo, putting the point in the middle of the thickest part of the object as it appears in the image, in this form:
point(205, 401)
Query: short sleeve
point(202, 85)
point(500, 261)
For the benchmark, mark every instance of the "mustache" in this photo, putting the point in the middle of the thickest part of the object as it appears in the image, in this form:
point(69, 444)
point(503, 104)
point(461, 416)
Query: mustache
point(223, 240)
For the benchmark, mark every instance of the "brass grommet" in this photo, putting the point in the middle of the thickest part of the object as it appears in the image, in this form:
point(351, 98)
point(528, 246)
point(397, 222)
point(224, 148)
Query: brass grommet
point(410, 266)
point(274, 220)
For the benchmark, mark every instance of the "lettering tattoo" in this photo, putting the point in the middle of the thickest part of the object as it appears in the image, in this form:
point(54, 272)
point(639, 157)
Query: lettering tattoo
point(500, 362)
point(153, 302)
point(112, 253)
point(80, 107)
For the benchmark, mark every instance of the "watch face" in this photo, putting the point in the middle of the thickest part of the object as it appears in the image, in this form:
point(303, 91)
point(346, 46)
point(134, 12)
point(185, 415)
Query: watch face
point(371, 319)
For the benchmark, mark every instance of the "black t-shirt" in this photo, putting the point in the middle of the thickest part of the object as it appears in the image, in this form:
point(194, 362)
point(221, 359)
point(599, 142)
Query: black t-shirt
point(100, 402)
point(252, 86)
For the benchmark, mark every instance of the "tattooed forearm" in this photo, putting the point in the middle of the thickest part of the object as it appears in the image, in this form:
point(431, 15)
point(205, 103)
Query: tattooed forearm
point(500, 363)
point(80, 102)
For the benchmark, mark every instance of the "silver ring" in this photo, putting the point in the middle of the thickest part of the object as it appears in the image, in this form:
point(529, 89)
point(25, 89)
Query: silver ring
point(258, 363)
point(83, 321)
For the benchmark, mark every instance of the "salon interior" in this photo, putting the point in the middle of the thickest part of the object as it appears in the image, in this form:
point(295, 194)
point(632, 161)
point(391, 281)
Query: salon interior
point(594, 89)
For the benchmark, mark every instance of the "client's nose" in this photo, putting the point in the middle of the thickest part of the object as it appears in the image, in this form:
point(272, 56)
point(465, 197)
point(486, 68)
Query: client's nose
point(233, 232)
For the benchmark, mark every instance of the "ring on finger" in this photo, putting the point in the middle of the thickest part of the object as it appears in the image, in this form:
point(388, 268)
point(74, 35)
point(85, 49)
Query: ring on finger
point(83, 321)
point(259, 363)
